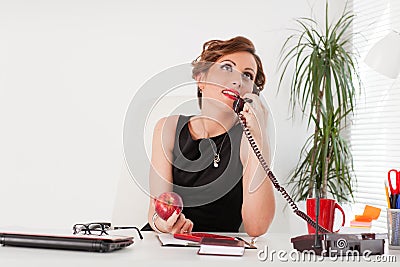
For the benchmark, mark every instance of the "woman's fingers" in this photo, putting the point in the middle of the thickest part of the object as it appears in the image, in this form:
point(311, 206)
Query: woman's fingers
point(255, 115)
point(179, 224)
point(175, 223)
point(253, 106)
point(171, 221)
point(187, 227)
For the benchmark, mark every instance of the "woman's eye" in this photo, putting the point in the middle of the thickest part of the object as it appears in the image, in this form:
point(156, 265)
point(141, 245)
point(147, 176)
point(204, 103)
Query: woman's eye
point(226, 67)
point(248, 76)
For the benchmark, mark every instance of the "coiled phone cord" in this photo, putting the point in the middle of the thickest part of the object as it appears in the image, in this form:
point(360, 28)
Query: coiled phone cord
point(273, 179)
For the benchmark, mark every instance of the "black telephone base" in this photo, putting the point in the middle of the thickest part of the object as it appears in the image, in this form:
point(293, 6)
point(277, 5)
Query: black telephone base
point(333, 244)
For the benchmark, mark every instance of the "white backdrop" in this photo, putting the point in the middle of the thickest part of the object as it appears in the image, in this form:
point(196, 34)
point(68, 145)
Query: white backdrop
point(68, 70)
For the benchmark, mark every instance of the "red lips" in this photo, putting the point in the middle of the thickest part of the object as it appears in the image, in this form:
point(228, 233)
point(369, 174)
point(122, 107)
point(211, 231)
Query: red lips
point(231, 93)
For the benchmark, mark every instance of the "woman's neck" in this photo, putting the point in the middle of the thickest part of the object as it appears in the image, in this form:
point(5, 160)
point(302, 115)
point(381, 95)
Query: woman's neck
point(208, 125)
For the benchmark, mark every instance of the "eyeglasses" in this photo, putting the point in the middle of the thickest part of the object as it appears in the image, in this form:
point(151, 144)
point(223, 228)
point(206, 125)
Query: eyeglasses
point(99, 228)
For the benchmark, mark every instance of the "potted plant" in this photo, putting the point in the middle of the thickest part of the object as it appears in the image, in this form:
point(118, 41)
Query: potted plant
point(323, 84)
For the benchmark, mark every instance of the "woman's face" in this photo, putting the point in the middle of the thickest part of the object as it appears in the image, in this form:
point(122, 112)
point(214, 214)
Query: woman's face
point(229, 77)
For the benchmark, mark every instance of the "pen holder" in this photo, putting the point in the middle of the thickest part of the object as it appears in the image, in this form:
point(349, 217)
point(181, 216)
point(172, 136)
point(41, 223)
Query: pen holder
point(393, 225)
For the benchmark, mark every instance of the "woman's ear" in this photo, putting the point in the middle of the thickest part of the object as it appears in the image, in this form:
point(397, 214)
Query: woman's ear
point(200, 81)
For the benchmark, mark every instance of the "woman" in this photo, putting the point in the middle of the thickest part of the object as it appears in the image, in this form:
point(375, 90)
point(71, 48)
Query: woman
point(195, 155)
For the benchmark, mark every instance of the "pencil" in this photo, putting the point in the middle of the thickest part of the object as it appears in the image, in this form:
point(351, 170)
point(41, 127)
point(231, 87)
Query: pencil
point(387, 194)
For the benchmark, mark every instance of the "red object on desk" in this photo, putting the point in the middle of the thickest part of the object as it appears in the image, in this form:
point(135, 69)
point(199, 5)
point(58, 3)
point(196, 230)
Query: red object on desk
point(396, 182)
point(196, 237)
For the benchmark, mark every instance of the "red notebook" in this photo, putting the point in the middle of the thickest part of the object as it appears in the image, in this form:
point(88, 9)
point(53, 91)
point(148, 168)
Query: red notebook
point(197, 237)
point(219, 246)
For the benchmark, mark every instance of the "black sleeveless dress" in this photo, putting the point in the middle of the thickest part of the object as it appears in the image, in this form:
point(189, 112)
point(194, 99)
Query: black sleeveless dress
point(212, 196)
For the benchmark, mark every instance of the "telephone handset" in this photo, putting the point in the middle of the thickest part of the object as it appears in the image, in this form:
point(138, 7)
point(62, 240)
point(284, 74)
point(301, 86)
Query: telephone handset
point(238, 105)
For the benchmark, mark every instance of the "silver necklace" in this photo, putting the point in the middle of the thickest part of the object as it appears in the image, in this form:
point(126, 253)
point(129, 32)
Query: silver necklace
point(217, 158)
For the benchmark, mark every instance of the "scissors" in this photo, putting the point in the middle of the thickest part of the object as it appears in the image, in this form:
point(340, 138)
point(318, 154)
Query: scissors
point(396, 189)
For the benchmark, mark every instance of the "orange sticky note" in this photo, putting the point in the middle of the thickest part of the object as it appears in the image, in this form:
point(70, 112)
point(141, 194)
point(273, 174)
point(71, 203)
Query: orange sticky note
point(371, 212)
point(362, 218)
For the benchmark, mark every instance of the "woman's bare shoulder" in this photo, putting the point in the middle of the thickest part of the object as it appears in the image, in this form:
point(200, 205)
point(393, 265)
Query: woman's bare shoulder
point(164, 131)
point(167, 123)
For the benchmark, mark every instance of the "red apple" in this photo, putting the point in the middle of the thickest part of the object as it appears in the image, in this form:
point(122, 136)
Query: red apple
point(167, 203)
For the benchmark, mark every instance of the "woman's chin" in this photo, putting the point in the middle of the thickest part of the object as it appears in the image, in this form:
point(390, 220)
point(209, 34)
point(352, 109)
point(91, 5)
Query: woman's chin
point(226, 109)
point(225, 106)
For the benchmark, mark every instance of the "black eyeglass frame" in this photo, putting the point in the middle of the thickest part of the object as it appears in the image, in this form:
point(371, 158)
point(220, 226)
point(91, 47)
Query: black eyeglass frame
point(102, 227)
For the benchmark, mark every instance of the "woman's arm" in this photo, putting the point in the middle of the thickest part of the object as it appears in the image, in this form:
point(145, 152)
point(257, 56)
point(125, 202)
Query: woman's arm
point(258, 207)
point(161, 176)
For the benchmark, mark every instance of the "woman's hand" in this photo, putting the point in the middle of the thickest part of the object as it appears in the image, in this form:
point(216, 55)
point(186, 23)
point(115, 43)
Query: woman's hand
point(256, 115)
point(258, 207)
point(176, 223)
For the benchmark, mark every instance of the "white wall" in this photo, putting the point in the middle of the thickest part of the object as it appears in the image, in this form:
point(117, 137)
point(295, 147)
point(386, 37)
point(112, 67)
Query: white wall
point(68, 70)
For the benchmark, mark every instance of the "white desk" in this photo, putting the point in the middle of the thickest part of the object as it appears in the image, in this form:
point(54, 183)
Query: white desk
point(149, 252)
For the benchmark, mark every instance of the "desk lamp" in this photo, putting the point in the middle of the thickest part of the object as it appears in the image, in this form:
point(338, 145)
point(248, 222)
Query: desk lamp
point(384, 56)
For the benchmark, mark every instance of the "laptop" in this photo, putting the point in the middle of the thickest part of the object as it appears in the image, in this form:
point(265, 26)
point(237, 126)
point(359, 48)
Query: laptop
point(67, 242)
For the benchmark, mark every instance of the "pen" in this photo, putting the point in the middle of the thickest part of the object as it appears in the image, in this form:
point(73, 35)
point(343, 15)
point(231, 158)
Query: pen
point(393, 202)
point(247, 243)
point(398, 202)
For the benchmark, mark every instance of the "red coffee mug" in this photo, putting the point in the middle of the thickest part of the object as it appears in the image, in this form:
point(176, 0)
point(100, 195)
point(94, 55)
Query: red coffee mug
point(326, 213)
